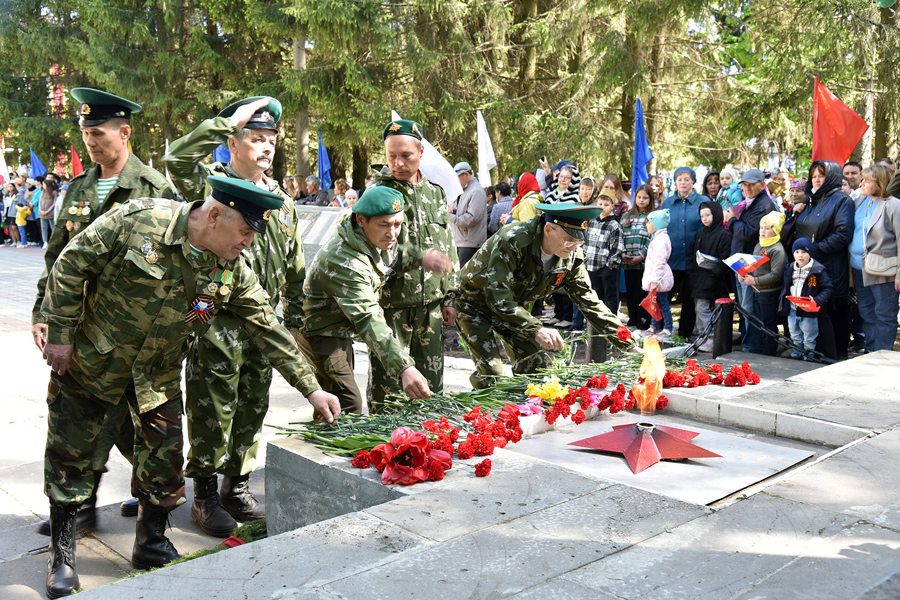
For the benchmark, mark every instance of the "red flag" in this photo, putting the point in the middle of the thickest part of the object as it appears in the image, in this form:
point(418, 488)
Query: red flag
point(77, 167)
point(649, 304)
point(837, 129)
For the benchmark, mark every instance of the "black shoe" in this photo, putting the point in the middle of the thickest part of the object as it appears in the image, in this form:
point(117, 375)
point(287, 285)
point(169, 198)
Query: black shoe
point(238, 501)
point(62, 579)
point(129, 508)
point(152, 549)
point(86, 521)
point(208, 512)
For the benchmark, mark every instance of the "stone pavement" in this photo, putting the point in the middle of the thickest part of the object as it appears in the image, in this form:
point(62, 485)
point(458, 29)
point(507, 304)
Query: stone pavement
point(828, 529)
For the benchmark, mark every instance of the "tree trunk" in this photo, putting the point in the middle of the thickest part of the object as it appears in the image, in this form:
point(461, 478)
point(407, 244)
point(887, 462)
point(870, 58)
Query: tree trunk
point(360, 167)
point(882, 124)
point(302, 122)
point(654, 102)
point(528, 66)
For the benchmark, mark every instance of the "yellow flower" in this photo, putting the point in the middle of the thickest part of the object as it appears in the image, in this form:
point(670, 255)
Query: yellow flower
point(550, 390)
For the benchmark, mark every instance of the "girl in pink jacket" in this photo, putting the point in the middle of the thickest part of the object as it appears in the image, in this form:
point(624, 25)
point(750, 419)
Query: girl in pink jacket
point(657, 274)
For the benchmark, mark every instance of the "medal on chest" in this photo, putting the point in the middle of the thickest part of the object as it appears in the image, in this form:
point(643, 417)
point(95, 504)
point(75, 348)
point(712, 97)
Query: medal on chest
point(220, 279)
point(201, 308)
point(149, 252)
point(559, 279)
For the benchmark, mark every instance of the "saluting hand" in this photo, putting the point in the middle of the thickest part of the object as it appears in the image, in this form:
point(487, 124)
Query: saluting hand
point(437, 263)
point(242, 115)
point(59, 356)
point(325, 404)
point(549, 338)
point(414, 384)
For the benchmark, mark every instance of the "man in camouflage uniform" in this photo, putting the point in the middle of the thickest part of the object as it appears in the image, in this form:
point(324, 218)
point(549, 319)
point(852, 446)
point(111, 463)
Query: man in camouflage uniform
point(118, 177)
point(228, 377)
point(416, 303)
point(341, 297)
point(122, 300)
point(521, 263)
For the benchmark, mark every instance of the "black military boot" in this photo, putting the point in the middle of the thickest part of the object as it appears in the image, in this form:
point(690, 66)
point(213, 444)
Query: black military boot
point(129, 508)
point(62, 579)
point(237, 499)
point(207, 511)
point(151, 546)
point(86, 521)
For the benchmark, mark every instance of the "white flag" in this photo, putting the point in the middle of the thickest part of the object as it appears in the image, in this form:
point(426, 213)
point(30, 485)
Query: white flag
point(4, 170)
point(436, 168)
point(486, 158)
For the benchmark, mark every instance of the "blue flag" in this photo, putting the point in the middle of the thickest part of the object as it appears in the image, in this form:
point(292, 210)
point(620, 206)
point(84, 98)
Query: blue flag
point(324, 163)
point(642, 154)
point(37, 167)
point(221, 154)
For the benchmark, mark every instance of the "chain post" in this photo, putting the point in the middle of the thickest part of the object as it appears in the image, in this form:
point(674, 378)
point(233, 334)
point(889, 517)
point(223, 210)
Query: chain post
point(723, 332)
point(597, 346)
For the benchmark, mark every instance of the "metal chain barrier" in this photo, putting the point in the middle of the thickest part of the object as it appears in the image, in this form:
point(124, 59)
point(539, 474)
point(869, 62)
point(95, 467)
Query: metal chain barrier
point(692, 349)
point(784, 340)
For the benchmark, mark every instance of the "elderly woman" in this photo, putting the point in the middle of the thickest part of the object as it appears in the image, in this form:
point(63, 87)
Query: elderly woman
point(873, 258)
point(684, 213)
point(828, 220)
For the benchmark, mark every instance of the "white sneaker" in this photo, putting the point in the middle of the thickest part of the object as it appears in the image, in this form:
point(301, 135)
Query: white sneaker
point(665, 334)
point(551, 321)
point(652, 331)
point(706, 346)
point(563, 324)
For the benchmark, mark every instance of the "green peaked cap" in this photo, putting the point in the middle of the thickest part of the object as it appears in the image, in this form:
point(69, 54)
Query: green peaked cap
point(572, 216)
point(99, 107)
point(379, 200)
point(254, 203)
point(266, 117)
point(402, 127)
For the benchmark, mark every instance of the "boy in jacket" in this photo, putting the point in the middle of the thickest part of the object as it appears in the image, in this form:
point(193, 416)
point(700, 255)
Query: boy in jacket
point(709, 280)
point(806, 278)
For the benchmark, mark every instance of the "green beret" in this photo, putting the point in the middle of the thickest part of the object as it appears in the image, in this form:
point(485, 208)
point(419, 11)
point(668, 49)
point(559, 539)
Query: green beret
point(402, 127)
point(378, 201)
point(572, 216)
point(254, 203)
point(266, 117)
point(99, 107)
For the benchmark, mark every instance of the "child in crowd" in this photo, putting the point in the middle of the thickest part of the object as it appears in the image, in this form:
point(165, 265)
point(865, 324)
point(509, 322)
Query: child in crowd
point(657, 273)
point(766, 281)
point(22, 212)
point(637, 239)
point(588, 191)
point(730, 190)
point(709, 276)
point(804, 278)
point(603, 248)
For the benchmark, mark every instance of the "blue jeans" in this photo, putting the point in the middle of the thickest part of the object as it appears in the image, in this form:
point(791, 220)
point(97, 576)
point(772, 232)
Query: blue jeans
point(878, 306)
point(577, 318)
point(24, 238)
point(804, 331)
point(662, 300)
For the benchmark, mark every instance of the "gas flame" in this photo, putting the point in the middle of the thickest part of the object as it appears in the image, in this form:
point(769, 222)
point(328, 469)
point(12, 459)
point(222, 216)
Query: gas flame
point(647, 388)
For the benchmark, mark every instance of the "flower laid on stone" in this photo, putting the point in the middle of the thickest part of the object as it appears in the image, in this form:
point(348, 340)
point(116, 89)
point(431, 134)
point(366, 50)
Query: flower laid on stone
point(739, 376)
point(694, 375)
point(623, 333)
point(483, 469)
point(362, 460)
point(409, 458)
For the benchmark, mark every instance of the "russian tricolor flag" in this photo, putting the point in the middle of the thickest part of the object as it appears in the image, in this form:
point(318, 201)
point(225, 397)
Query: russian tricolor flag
point(742, 264)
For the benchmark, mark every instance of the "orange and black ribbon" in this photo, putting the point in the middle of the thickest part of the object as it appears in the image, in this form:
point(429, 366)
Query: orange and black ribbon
point(201, 308)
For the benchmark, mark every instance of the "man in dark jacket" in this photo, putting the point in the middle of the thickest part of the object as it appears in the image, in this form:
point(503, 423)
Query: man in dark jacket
point(828, 221)
point(743, 222)
point(315, 195)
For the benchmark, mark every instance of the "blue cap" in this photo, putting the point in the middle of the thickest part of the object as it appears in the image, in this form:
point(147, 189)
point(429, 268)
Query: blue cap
point(660, 218)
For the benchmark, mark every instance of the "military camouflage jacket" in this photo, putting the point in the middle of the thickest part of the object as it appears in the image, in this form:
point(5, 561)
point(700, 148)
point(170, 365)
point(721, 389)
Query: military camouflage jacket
point(132, 326)
point(506, 276)
point(277, 257)
point(427, 227)
point(342, 288)
point(81, 206)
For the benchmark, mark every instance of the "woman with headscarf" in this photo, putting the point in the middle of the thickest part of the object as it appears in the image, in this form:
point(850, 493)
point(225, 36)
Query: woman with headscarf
point(523, 208)
point(828, 220)
point(711, 185)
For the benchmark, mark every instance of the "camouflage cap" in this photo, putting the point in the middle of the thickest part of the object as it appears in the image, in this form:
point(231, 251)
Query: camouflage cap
point(377, 201)
point(254, 203)
point(608, 194)
point(402, 127)
point(572, 216)
point(266, 117)
point(98, 107)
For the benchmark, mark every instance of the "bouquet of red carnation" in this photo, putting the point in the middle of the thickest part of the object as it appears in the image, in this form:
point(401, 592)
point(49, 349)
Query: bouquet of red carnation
point(623, 333)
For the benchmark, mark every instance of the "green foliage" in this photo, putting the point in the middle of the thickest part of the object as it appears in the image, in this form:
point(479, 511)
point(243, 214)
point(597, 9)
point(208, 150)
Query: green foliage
point(722, 82)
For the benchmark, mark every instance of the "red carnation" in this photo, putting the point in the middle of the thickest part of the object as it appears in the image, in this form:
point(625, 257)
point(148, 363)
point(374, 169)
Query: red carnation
point(483, 469)
point(578, 417)
point(362, 460)
point(443, 442)
point(752, 378)
point(435, 471)
point(500, 442)
point(444, 424)
point(623, 333)
point(472, 414)
point(550, 416)
point(736, 377)
point(431, 426)
point(605, 403)
point(630, 404)
point(662, 402)
point(454, 434)
point(465, 450)
point(510, 411)
point(482, 423)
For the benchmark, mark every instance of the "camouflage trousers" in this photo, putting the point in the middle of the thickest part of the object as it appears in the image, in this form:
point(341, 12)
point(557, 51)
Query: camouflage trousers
point(117, 430)
point(332, 360)
point(420, 330)
point(480, 330)
point(74, 422)
point(227, 398)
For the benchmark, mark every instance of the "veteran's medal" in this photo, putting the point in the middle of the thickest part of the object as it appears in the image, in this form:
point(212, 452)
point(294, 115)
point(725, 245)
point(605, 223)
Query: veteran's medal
point(72, 210)
point(213, 287)
point(86, 210)
point(225, 290)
